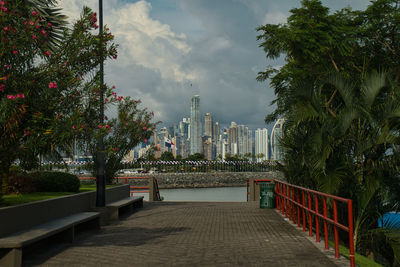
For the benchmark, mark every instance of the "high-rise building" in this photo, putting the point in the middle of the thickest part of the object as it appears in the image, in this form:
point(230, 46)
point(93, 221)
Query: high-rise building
point(208, 125)
point(276, 148)
point(233, 139)
point(195, 125)
point(261, 145)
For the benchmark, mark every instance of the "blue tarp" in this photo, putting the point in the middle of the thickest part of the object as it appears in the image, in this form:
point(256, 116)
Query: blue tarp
point(390, 219)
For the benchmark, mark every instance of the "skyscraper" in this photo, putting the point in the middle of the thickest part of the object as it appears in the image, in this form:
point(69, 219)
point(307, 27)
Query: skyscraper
point(261, 145)
point(208, 125)
point(195, 125)
point(276, 148)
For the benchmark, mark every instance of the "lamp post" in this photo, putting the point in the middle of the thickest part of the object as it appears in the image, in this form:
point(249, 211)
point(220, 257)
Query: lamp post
point(101, 179)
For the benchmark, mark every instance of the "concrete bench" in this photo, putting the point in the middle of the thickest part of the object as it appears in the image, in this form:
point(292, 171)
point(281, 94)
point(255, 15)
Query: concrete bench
point(11, 247)
point(117, 208)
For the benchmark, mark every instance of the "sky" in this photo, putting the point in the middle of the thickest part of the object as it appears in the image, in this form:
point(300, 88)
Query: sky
point(171, 50)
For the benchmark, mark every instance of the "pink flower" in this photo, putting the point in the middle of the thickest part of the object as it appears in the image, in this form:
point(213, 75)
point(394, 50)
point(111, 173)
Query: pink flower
point(31, 23)
point(20, 95)
point(52, 85)
point(15, 52)
point(107, 126)
point(49, 24)
point(11, 97)
point(34, 13)
point(115, 149)
point(34, 37)
point(113, 87)
point(115, 56)
point(47, 53)
point(2, 87)
point(100, 126)
point(145, 140)
point(5, 28)
point(144, 128)
point(73, 127)
point(7, 66)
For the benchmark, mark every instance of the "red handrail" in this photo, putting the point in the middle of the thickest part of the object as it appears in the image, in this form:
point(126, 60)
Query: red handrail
point(291, 198)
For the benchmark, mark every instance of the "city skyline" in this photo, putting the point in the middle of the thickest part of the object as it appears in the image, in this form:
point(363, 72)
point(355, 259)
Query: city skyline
point(171, 50)
point(203, 134)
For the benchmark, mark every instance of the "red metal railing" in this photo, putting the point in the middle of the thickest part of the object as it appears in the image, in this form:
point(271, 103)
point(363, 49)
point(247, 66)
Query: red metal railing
point(301, 204)
point(134, 189)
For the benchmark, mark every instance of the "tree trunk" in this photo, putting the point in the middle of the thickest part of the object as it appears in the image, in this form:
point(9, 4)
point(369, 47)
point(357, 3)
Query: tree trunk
point(5, 171)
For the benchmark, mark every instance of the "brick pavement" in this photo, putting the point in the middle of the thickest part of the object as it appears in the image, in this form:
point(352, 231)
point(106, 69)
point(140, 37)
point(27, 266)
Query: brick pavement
point(189, 234)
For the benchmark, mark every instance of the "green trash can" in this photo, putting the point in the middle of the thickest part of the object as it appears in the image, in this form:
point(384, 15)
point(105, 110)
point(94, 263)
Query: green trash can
point(267, 195)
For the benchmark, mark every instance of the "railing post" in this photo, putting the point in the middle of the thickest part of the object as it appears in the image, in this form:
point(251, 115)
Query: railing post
point(286, 204)
point(316, 219)
point(351, 234)
point(290, 202)
point(126, 180)
point(325, 223)
point(304, 212)
point(309, 215)
point(294, 207)
point(298, 207)
point(335, 218)
point(277, 195)
point(151, 189)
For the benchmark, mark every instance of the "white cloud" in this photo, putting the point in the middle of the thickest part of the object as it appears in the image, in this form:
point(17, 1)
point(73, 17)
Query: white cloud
point(274, 18)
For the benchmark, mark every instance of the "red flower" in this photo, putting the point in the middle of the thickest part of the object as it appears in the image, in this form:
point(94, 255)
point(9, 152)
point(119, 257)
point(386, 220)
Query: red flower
point(34, 37)
point(115, 148)
point(47, 53)
point(15, 52)
point(52, 85)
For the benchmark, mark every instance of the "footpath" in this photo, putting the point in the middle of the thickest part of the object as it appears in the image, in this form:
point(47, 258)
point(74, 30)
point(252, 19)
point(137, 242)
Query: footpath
point(190, 234)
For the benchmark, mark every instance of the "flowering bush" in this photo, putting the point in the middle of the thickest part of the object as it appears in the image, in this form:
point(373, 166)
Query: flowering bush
point(46, 91)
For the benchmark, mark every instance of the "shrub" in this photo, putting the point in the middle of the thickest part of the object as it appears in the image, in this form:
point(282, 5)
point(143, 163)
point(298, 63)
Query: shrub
point(20, 182)
point(46, 181)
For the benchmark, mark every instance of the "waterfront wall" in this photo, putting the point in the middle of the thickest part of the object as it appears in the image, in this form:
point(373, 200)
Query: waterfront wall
point(204, 179)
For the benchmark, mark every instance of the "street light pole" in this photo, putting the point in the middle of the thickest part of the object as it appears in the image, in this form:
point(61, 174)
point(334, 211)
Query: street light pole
point(101, 179)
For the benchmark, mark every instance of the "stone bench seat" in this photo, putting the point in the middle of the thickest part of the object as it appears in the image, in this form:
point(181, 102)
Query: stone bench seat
point(125, 205)
point(11, 246)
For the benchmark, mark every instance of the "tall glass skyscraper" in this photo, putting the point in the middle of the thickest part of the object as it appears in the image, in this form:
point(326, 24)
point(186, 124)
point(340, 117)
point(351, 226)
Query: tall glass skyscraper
point(261, 145)
point(195, 125)
point(276, 148)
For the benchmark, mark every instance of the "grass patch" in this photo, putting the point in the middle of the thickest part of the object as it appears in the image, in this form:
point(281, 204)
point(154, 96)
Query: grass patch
point(360, 259)
point(11, 200)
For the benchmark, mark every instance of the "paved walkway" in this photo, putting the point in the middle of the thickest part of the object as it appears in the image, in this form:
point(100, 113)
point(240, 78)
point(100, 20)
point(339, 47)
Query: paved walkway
point(190, 234)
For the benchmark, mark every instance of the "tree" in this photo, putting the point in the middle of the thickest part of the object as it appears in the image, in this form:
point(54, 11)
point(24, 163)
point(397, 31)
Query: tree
point(167, 156)
point(196, 156)
point(341, 116)
point(42, 92)
point(121, 134)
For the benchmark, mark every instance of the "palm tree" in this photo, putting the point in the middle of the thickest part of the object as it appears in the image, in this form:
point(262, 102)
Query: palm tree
point(51, 14)
point(349, 147)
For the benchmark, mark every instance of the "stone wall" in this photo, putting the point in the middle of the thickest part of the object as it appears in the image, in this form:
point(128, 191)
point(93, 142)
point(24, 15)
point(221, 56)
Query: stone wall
point(204, 179)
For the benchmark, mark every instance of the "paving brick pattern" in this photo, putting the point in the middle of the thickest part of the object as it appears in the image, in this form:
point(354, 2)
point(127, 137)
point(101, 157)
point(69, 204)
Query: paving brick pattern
point(190, 234)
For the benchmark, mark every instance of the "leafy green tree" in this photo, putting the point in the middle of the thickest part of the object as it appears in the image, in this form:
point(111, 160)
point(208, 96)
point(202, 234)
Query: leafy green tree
point(44, 92)
point(196, 156)
point(132, 126)
point(167, 156)
point(341, 117)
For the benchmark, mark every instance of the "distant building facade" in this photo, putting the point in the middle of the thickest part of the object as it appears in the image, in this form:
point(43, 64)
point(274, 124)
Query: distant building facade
point(261, 145)
point(276, 134)
point(195, 125)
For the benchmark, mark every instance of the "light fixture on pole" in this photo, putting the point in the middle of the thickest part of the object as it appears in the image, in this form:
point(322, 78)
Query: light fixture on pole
point(101, 179)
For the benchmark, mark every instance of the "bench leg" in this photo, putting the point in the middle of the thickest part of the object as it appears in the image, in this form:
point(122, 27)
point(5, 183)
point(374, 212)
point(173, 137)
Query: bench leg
point(12, 258)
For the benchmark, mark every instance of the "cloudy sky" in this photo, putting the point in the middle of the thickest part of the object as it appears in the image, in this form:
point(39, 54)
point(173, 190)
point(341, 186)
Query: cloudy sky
point(171, 50)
